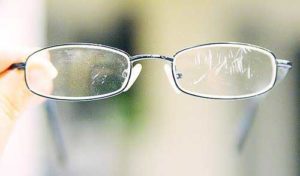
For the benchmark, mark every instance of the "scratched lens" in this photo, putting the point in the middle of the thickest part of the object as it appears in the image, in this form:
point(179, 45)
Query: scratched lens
point(77, 72)
point(225, 70)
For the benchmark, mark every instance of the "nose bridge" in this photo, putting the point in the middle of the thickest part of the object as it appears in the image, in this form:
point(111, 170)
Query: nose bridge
point(150, 56)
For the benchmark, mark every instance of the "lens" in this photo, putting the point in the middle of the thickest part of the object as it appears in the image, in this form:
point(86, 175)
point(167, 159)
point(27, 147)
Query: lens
point(78, 71)
point(224, 70)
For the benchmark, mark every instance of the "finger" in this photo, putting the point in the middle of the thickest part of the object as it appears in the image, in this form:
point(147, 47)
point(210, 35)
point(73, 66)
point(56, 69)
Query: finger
point(11, 104)
point(13, 93)
point(14, 96)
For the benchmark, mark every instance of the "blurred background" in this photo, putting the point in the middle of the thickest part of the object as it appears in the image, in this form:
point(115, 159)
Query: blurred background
point(150, 130)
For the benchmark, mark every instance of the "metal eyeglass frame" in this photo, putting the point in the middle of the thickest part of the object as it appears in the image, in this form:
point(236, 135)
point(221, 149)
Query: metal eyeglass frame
point(282, 68)
point(135, 70)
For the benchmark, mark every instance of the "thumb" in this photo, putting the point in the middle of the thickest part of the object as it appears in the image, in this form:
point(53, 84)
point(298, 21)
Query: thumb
point(14, 95)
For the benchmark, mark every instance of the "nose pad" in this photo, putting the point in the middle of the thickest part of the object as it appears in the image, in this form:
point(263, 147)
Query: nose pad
point(281, 74)
point(135, 72)
point(168, 71)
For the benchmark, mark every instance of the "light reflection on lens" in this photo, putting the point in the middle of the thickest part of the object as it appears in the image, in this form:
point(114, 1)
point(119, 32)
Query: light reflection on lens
point(81, 71)
point(224, 70)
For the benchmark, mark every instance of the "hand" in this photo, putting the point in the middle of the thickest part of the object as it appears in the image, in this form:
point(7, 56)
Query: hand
point(14, 95)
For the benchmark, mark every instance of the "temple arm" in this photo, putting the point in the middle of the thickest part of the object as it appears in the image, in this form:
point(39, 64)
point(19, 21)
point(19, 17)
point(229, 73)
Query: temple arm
point(52, 116)
point(246, 122)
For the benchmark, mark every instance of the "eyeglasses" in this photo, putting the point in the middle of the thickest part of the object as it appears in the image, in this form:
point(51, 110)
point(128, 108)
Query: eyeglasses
point(89, 71)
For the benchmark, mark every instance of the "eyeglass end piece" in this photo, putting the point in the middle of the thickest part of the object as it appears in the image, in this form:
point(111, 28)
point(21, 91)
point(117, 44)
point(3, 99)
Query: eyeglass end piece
point(19, 66)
